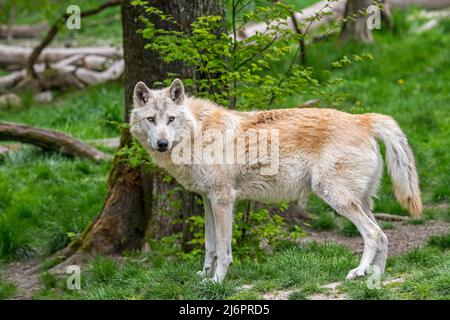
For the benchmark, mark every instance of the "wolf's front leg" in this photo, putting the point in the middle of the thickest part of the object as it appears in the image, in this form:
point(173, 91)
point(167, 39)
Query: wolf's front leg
point(210, 240)
point(222, 207)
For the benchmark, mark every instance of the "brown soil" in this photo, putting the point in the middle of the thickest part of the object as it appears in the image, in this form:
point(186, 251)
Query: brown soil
point(402, 238)
point(26, 282)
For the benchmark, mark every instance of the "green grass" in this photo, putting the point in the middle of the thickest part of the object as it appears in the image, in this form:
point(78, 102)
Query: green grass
point(92, 113)
point(299, 268)
point(46, 200)
point(7, 289)
point(385, 225)
point(425, 273)
point(442, 242)
point(348, 229)
point(324, 220)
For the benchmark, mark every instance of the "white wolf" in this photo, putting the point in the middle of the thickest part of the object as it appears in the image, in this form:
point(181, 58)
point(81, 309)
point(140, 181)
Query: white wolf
point(332, 153)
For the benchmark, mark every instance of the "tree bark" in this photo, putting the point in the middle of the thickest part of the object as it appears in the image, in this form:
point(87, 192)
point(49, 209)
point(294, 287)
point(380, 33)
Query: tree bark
point(49, 140)
point(133, 209)
point(355, 29)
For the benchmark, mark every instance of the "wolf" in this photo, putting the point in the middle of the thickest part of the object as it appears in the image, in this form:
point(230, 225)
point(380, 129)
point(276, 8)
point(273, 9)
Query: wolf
point(331, 153)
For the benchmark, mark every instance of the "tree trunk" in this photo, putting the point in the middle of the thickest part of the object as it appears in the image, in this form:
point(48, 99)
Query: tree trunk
point(355, 29)
point(133, 209)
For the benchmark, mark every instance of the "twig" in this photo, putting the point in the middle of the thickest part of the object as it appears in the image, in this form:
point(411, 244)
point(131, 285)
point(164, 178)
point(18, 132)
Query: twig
point(301, 40)
point(272, 98)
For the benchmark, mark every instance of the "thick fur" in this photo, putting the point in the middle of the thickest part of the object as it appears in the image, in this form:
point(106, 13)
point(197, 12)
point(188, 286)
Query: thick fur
point(331, 153)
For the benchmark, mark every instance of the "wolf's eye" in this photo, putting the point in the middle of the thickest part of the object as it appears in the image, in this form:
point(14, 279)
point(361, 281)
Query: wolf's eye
point(151, 119)
point(171, 119)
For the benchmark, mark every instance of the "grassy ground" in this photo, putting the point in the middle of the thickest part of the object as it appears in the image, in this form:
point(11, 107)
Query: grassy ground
point(425, 274)
point(46, 200)
point(300, 271)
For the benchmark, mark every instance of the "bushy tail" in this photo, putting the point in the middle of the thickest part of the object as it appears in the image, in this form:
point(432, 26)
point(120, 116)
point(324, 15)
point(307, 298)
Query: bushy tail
point(400, 162)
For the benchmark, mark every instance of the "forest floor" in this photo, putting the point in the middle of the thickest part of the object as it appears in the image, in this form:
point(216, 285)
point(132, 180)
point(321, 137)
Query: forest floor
point(402, 236)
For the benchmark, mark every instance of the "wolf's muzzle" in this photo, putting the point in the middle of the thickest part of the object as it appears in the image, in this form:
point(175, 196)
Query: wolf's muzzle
point(162, 145)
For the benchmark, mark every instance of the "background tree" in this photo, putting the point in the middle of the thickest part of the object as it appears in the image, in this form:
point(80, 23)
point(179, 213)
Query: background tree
point(355, 27)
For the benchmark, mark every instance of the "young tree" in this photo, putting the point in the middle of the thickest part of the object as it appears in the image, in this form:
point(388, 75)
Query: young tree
point(133, 208)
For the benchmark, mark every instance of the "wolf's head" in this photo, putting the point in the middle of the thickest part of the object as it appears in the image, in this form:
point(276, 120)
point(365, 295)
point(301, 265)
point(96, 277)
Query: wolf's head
point(160, 119)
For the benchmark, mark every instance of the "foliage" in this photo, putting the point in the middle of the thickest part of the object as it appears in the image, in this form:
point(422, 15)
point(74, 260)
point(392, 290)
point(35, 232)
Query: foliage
point(348, 228)
point(324, 221)
point(240, 74)
point(442, 242)
point(7, 289)
point(255, 232)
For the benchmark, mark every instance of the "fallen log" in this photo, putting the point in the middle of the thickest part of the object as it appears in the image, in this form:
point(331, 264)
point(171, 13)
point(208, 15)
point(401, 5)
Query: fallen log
point(390, 217)
point(49, 140)
point(90, 77)
point(69, 72)
point(22, 31)
point(18, 56)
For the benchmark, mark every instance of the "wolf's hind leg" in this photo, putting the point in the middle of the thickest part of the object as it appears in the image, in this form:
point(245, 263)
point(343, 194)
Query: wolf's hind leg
point(210, 240)
point(345, 203)
point(367, 206)
point(371, 234)
point(382, 250)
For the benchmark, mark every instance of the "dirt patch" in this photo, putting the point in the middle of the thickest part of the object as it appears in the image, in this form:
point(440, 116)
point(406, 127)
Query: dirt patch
point(277, 295)
point(402, 238)
point(331, 292)
point(26, 282)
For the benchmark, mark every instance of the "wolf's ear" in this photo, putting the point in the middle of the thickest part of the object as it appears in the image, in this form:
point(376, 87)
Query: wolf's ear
point(141, 95)
point(176, 91)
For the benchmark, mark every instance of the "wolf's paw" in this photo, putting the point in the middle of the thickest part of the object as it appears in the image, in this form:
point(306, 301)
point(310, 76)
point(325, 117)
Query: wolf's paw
point(217, 278)
point(207, 280)
point(202, 273)
point(356, 273)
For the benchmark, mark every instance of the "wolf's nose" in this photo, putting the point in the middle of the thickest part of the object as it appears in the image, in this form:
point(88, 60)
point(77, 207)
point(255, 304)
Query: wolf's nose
point(162, 144)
